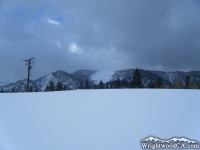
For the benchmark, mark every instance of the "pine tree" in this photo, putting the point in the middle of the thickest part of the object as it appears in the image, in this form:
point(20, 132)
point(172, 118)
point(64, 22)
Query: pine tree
point(13, 90)
point(47, 88)
point(51, 86)
point(187, 81)
point(136, 82)
point(151, 84)
point(80, 86)
point(190, 84)
point(36, 90)
point(118, 83)
point(1, 91)
point(65, 87)
point(178, 84)
point(159, 83)
point(111, 84)
point(87, 84)
point(101, 85)
point(59, 86)
point(124, 84)
point(107, 87)
point(95, 86)
point(30, 89)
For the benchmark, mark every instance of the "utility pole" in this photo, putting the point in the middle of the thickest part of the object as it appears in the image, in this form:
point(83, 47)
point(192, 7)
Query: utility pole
point(29, 62)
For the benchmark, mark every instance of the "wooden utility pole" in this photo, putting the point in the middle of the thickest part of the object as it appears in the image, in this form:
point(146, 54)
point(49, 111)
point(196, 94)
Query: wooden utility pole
point(29, 62)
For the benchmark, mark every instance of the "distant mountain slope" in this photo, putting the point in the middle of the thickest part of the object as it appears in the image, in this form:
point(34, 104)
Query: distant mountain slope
point(73, 80)
point(62, 76)
point(171, 76)
point(105, 76)
point(41, 83)
point(86, 73)
point(18, 86)
point(146, 76)
point(82, 75)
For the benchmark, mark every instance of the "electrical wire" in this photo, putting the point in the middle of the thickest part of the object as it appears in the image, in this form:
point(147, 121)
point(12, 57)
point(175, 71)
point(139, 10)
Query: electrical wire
point(8, 57)
point(41, 63)
point(44, 64)
point(13, 69)
point(11, 59)
point(5, 82)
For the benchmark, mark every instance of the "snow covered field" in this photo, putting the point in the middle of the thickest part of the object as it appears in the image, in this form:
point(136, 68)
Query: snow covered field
point(96, 119)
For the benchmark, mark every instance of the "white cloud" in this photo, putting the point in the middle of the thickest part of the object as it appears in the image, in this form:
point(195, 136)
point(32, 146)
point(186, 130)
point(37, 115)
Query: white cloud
point(73, 47)
point(53, 22)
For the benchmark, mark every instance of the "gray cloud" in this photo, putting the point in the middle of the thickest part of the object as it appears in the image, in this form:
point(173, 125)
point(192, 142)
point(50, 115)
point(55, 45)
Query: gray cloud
point(161, 35)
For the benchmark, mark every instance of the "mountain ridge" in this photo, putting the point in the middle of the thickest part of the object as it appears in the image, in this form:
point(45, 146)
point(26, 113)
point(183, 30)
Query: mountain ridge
point(72, 80)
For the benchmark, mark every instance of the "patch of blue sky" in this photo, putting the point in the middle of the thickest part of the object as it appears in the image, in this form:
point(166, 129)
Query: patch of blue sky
point(60, 18)
point(22, 14)
point(71, 39)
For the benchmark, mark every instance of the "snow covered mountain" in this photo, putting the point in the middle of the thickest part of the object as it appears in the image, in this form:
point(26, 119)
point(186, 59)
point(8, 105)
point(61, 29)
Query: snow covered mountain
point(73, 80)
point(104, 76)
point(62, 76)
point(41, 83)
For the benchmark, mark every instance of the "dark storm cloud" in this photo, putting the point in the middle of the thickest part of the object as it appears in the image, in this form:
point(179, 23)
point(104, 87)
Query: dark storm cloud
point(72, 35)
point(151, 33)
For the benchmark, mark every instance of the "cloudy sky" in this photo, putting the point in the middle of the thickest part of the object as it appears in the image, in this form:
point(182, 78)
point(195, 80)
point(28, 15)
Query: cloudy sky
point(98, 34)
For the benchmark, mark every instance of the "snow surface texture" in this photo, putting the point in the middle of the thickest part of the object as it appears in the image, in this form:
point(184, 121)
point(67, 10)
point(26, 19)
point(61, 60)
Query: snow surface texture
point(104, 76)
point(96, 119)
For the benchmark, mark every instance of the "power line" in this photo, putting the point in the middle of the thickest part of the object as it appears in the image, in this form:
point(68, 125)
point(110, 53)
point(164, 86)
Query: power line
point(12, 69)
point(9, 57)
point(4, 82)
point(45, 65)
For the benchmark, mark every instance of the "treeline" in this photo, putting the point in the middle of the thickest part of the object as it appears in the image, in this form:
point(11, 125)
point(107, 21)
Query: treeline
point(115, 84)
point(189, 83)
point(136, 82)
point(58, 87)
point(13, 90)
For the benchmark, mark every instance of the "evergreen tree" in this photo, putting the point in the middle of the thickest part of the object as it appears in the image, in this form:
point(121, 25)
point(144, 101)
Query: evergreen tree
point(36, 90)
point(51, 86)
point(80, 86)
point(59, 86)
point(65, 87)
point(1, 91)
point(191, 83)
point(124, 84)
point(118, 83)
point(13, 90)
point(95, 86)
point(136, 82)
point(151, 84)
point(159, 83)
point(47, 88)
point(107, 87)
point(178, 84)
point(30, 89)
point(101, 85)
point(187, 81)
point(87, 84)
point(111, 84)
point(198, 86)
